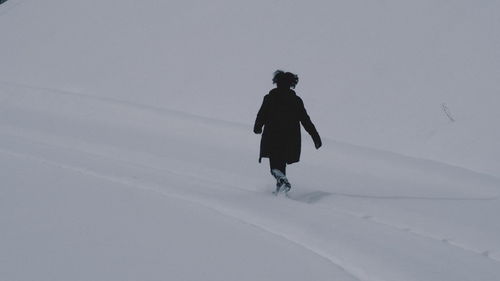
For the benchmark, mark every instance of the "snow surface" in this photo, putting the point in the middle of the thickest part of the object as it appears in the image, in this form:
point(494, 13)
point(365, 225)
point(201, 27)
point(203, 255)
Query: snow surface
point(126, 150)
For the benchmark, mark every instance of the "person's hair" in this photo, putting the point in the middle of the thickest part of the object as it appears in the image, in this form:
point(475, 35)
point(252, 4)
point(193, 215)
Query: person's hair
point(286, 79)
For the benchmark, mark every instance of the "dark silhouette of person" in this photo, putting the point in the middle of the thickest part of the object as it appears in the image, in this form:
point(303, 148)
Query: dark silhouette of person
point(281, 114)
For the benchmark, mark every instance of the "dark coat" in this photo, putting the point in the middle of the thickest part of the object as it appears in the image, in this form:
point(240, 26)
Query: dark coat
point(281, 114)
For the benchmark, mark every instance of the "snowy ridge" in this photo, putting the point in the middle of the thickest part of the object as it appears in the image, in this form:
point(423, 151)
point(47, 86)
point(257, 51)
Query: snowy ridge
point(370, 228)
point(386, 75)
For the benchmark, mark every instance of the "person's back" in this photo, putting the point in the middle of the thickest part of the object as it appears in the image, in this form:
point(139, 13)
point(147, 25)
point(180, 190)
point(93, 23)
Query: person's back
point(281, 114)
point(283, 110)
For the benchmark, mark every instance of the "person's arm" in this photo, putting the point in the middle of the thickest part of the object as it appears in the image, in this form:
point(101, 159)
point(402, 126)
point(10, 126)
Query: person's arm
point(261, 117)
point(308, 125)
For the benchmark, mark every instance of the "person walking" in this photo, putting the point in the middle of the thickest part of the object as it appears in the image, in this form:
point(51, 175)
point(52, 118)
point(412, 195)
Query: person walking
point(281, 114)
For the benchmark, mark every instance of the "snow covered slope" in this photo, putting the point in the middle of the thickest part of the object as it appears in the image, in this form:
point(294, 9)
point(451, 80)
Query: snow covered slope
point(126, 150)
point(99, 189)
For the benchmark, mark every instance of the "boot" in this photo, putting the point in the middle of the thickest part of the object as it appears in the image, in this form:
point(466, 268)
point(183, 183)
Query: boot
point(282, 183)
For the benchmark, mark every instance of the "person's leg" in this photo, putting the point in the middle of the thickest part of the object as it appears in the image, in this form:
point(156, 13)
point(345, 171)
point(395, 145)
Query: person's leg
point(277, 163)
point(278, 169)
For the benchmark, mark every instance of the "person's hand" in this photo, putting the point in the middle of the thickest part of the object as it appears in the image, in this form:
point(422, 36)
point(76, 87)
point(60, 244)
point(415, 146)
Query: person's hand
point(257, 130)
point(317, 141)
point(317, 144)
